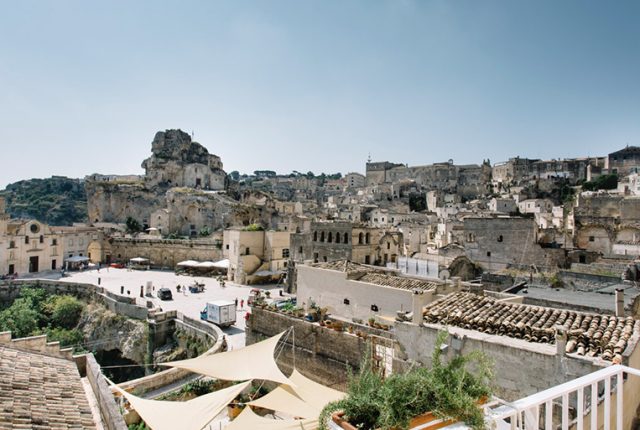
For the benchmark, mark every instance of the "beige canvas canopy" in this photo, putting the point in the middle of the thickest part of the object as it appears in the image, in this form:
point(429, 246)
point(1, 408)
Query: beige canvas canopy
point(306, 399)
point(251, 362)
point(248, 420)
point(190, 415)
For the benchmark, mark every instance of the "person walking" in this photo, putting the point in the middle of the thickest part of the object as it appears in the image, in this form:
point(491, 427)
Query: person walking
point(236, 302)
point(241, 303)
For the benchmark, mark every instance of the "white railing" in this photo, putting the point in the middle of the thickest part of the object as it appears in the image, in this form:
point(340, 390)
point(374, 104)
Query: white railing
point(549, 409)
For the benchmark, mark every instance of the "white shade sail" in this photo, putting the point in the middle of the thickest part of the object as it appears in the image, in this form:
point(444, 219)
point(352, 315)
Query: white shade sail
point(187, 263)
point(248, 420)
point(190, 415)
point(251, 362)
point(306, 399)
point(222, 264)
point(206, 265)
point(139, 260)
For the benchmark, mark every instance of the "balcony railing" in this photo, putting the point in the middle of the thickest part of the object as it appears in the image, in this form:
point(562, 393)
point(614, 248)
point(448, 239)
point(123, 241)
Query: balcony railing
point(550, 409)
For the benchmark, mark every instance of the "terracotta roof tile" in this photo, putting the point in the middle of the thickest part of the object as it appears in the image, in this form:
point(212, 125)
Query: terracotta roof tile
point(41, 392)
point(592, 335)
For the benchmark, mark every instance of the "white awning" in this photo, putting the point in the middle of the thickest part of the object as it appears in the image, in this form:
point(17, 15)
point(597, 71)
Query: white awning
point(190, 415)
point(249, 420)
point(187, 263)
point(251, 362)
point(206, 265)
point(139, 260)
point(222, 264)
point(306, 399)
point(77, 259)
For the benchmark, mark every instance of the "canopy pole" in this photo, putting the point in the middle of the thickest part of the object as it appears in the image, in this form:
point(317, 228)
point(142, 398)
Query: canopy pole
point(293, 346)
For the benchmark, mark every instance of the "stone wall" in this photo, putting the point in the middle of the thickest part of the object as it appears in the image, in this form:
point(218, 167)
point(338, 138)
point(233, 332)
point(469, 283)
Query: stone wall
point(166, 252)
point(111, 416)
point(521, 368)
point(321, 354)
point(10, 290)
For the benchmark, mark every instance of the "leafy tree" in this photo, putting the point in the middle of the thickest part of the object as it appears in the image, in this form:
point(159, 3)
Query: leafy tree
point(310, 175)
point(204, 231)
point(254, 227)
point(417, 202)
point(65, 311)
point(133, 226)
point(604, 182)
point(21, 319)
point(66, 337)
point(235, 175)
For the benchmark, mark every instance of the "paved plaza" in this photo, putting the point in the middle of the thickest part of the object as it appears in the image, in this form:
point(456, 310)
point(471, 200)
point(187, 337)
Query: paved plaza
point(190, 304)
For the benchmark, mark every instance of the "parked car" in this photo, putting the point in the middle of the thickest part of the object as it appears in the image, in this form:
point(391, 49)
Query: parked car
point(117, 265)
point(165, 294)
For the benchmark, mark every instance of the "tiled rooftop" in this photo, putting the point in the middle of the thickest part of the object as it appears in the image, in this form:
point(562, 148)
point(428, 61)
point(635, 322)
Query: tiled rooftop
point(396, 281)
point(343, 266)
point(363, 273)
point(588, 334)
point(41, 392)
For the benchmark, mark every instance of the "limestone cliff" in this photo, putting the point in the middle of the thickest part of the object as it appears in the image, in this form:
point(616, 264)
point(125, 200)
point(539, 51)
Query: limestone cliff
point(109, 331)
point(176, 162)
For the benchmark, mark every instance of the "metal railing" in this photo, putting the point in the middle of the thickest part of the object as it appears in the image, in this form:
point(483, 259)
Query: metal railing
point(550, 409)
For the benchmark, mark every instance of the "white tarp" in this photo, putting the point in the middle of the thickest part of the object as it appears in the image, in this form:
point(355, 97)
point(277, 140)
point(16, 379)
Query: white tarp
point(190, 415)
point(206, 265)
point(248, 420)
point(306, 399)
point(251, 362)
point(139, 260)
point(187, 263)
point(77, 259)
point(222, 264)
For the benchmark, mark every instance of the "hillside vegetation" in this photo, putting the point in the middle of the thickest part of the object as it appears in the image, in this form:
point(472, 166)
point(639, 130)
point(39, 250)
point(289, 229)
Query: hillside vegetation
point(56, 201)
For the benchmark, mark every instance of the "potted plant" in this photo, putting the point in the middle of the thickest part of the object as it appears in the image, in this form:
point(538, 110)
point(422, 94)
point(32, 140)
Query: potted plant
point(372, 322)
point(448, 392)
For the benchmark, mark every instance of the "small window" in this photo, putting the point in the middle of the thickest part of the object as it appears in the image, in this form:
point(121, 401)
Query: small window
point(41, 239)
point(285, 253)
point(26, 239)
point(500, 238)
point(54, 242)
point(247, 251)
point(315, 236)
point(300, 250)
point(227, 246)
point(388, 245)
point(488, 253)
point(12, 244)
point(592, 239)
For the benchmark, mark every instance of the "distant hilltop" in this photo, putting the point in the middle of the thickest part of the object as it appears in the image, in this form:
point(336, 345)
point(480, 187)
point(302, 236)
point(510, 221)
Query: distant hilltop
point(56, 201)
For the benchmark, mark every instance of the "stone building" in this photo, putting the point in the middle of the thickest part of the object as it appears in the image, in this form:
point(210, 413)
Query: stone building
point(181, 177)
point(355, 180)
point(500, 242)
point(625, 161)
point(603, 220)
point(343, 240)
point(28, 246)
point(250, 252)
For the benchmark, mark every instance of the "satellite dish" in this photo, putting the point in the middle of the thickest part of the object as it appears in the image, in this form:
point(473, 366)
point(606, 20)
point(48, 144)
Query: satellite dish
point(444, 274)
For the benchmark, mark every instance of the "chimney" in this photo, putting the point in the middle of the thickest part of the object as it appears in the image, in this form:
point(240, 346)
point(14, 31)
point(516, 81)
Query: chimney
point(619, 302)
point(419, 299)
point(561, 340)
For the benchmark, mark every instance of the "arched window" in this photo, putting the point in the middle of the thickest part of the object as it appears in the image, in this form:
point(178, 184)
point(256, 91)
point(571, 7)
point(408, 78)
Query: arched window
point(500, 238)
point(366, 238)
point(322, 237)
point(337, 237)
point(330, 237)
point(315, 236)
point(346, 238)
point(360, 238)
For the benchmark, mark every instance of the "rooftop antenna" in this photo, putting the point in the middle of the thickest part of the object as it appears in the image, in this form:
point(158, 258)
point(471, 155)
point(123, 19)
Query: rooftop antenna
point(369, 157)
point(193, 134)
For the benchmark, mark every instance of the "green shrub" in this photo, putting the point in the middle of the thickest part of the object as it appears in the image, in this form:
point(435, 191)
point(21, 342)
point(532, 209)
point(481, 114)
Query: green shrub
point(66, 337)
point(449, 390)
point(20, 318)
point(64, 311)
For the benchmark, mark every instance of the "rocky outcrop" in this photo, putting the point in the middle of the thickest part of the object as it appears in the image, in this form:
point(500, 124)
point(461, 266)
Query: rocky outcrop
point(113, 331)
point(177, 161)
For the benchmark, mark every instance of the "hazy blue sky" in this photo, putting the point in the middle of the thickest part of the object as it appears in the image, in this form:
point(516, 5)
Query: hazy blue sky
point(314, 85)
